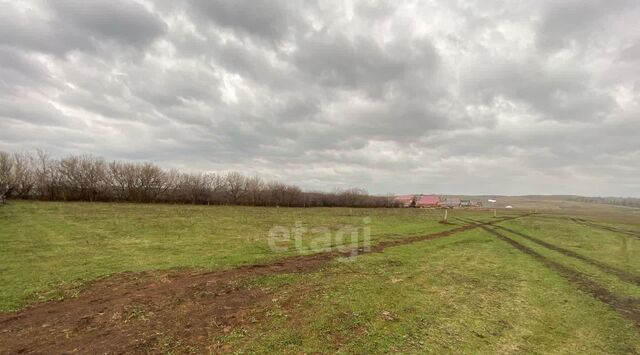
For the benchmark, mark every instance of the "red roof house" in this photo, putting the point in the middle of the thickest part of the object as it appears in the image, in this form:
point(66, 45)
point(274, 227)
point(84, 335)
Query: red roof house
point(427, 201)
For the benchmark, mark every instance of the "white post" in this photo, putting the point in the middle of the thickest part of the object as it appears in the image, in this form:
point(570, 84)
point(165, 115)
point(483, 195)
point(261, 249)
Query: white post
point(446, 213)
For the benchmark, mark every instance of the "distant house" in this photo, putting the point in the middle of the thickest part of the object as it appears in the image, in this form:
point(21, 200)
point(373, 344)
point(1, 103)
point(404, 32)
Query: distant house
point(433, 201)
point(450, 203)
point(405, 200)
point(427, 201)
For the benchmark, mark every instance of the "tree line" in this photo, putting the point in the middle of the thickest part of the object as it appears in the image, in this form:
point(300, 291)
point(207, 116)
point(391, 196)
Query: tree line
point(37, 175)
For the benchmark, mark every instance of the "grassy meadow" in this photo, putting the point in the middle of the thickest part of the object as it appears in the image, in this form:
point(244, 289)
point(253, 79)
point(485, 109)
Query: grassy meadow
point(51, 248)
point(470, 292)
point(465, 294)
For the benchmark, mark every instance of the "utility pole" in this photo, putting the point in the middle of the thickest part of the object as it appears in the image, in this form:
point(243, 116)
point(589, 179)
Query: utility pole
point(495, 210)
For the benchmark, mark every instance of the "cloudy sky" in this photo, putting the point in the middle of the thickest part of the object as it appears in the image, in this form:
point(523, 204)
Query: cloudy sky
point(491, 97)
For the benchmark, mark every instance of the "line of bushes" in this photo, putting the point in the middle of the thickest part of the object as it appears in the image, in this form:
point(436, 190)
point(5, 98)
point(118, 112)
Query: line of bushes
point(39, 176)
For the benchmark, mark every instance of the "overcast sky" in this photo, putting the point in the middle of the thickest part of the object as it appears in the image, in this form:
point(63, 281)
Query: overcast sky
point(477, 97)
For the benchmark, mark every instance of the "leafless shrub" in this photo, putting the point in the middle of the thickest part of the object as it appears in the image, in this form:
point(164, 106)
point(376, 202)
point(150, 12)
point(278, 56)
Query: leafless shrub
point(89, 178)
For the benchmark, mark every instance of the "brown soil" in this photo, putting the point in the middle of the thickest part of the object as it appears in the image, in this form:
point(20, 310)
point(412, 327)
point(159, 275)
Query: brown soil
point(626, 307)
point(154, 312)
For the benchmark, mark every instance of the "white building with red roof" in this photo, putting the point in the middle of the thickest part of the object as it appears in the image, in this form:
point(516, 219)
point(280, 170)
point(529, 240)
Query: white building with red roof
point(427, 201)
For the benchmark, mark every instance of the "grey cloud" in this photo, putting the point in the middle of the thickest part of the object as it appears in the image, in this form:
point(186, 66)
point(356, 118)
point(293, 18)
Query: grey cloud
point(20, 69)
point(124, 21)
point(556, 93)
point(522, 97)
point(299, 108)
point(32, 111)
point(403, 120)
point(38, 33)
point(566, 23)
point(263, 19)
point(173, 86)
point(631, 53)
point(335, 60)
point(79, 25)
point(374, 10)
point(253, 63)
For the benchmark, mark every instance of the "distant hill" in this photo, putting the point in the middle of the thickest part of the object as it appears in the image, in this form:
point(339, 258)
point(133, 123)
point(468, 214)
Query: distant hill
point(616, 201)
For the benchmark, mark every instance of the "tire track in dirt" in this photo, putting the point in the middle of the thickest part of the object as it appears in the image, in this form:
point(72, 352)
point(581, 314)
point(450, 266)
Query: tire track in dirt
point(143, 312)
point(621, 274)
point(626, 307)
point(587, 223)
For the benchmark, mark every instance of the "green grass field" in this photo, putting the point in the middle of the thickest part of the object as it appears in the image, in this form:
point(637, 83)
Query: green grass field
point(49, 248)
point(464, 294)
point(470, 292)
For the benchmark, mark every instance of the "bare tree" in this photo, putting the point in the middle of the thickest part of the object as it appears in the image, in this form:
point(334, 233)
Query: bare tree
point(193, 188)
point(152, 182)
point(255, 190)
point(46, 175)
point(236, 185)
point(83, 177)
point(122, 177)
point(353, 197)
point(23, 175)
point(6, 175)
point(89, 178)
point(217, 185)
point(281, 194)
